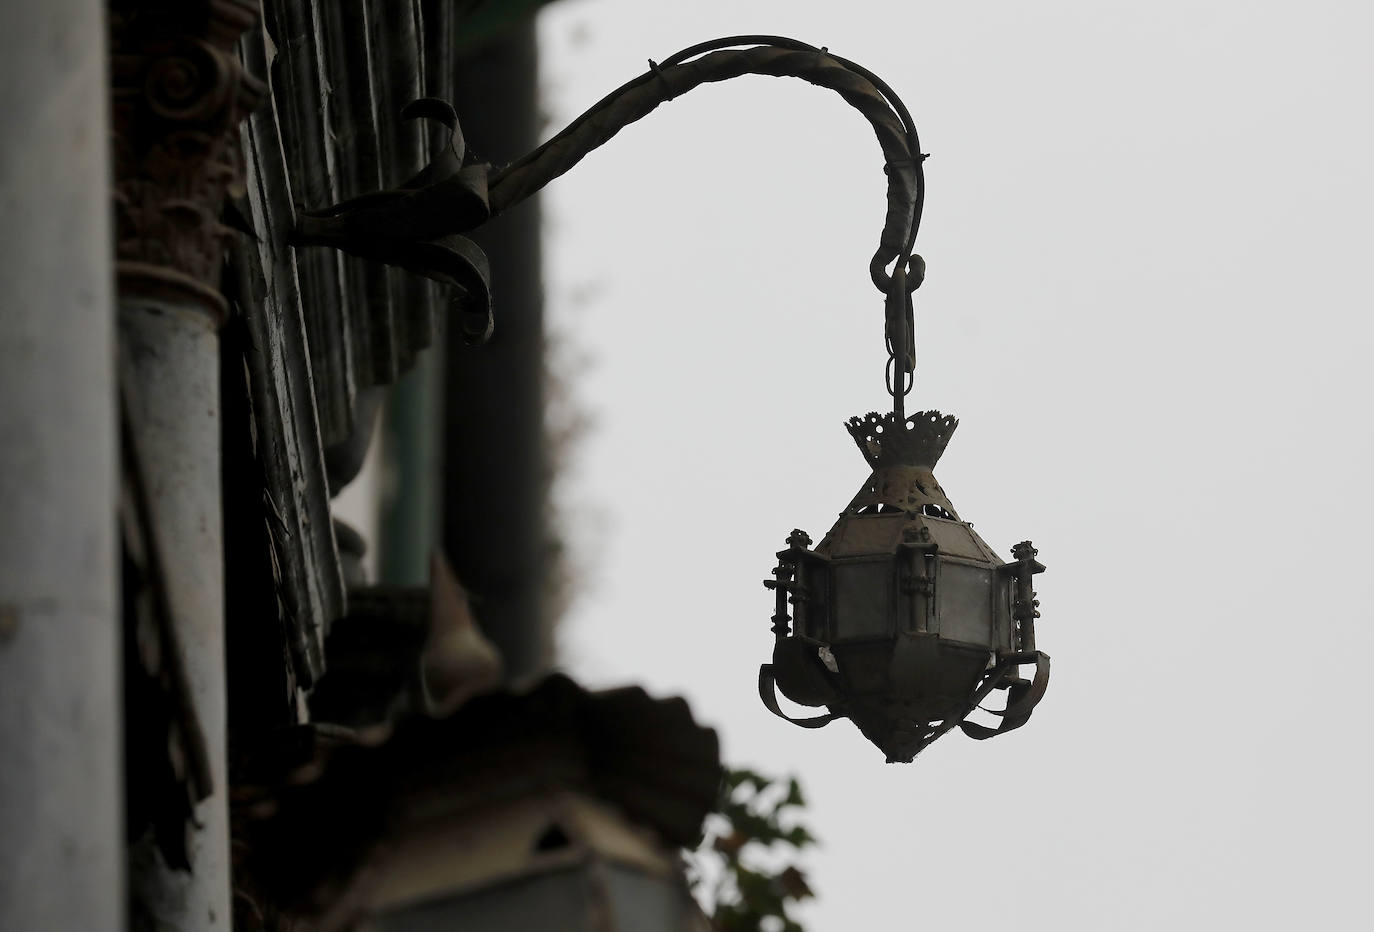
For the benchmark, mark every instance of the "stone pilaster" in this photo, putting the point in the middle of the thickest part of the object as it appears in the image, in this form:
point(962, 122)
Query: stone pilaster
point(178, 94)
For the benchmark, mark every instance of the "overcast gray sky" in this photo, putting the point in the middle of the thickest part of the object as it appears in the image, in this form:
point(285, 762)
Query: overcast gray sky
point(1148, 301)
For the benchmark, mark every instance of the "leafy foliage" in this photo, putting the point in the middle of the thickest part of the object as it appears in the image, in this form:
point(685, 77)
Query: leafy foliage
point(744, 872)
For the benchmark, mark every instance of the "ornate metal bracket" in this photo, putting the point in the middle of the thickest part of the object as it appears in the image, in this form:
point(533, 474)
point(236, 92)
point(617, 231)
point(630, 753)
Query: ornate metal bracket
point(418, 226)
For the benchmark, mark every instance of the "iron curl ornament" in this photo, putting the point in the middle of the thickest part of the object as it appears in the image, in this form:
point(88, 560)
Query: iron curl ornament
point(902, 619)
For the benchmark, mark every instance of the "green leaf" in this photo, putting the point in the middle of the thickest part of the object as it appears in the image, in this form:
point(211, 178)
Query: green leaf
point(756, 812)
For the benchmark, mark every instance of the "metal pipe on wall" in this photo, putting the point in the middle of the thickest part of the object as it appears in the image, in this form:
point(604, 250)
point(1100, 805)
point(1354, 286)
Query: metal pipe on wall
point(495, 474)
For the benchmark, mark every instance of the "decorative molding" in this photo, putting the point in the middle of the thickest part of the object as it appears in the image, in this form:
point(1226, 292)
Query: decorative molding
point(178, 94)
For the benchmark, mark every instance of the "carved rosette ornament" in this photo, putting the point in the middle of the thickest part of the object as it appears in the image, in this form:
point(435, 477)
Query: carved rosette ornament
point(178, 96)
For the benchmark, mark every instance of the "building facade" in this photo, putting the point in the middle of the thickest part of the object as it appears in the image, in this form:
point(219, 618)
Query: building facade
point(212, 718)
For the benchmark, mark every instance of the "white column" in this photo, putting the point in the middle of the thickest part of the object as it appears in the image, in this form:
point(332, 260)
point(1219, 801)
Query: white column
point(61, 792)
point(172, 361)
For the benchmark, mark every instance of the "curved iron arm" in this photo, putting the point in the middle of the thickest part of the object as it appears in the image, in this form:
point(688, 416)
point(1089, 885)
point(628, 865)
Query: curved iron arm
point(718, 60)
point(417, 225)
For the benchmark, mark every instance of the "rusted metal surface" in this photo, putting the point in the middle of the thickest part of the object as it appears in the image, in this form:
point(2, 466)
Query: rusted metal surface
point(903, 619)
point(903, 462)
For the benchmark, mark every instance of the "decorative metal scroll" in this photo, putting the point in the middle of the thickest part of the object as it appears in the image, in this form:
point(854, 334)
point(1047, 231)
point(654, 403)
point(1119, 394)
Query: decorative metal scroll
point(1022, 698)
point(416, 226)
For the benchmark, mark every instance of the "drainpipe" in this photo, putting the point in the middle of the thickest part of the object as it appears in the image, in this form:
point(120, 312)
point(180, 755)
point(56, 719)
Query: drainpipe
point(495, 475)
point(61, 801)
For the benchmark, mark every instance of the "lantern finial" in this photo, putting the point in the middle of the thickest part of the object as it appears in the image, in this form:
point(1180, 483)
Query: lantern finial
point(918, 440)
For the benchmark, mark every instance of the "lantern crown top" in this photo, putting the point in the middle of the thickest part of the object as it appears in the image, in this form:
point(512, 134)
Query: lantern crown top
point(918, 440)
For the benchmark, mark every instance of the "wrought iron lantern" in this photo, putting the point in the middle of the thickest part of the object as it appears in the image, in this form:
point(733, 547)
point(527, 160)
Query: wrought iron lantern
point(905, 619)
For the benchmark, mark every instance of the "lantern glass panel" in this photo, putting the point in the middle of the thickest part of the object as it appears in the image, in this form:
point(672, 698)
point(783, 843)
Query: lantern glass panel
point(863, 599)
point(965, 595)
point(955, 539)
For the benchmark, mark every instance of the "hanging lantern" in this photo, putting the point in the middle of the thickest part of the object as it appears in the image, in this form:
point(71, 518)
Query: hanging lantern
point(903, 619)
